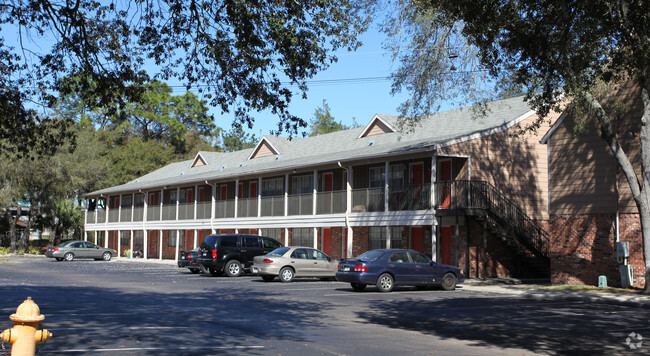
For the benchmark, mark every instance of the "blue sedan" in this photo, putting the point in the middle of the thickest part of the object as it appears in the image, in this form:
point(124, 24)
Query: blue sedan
point(388, 268)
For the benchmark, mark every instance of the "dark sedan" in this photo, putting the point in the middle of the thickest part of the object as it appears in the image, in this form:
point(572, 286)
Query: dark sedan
point(388, 268)
point(189, 259)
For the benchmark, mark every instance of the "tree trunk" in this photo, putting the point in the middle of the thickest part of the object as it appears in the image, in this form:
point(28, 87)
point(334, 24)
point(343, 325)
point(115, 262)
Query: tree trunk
point(640, 190)
point(12, 232)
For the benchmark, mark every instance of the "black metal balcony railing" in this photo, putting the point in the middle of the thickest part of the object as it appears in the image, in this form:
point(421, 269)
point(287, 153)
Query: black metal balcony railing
point(413, 197)
point(484, 196)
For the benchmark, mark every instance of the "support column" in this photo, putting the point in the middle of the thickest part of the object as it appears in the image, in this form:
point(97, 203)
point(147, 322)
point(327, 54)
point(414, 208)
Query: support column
point(286, 236)
point(145, 242)
point(178, 238)
point(196, 238)
point(388, 233)
point(213, 206)
point(286, 194)
point(259, 197)
point(131, 240)
point(315, 237)
point(432, 198)
point(315, 194)
point(484, 248)
point(456, 237)
point(350, 239)
point(119, 242)
point(160, 246)
point(236, 215)
point(386, 187)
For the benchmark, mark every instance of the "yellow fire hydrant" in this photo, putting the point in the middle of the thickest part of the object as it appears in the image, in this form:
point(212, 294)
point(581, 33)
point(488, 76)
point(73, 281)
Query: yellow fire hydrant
point(25, 334)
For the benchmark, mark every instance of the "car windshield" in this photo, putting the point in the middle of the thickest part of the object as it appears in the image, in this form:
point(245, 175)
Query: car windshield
point(371, 256)
point(278, 252)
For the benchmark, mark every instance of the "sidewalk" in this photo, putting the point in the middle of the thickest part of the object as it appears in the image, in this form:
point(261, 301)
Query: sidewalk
point(536, 291)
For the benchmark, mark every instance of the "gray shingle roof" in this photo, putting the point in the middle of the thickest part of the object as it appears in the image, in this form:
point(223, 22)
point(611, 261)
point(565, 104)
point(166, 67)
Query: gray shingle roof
point(434, 131)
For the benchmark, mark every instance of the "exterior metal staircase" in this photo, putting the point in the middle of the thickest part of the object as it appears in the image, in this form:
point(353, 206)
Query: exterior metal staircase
point(502, 217)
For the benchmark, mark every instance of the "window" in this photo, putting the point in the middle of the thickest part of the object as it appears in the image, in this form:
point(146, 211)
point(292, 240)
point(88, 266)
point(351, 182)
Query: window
point(399, 257)
point(272, 187)
point(275, 234)
point(77, 245)
point(378, 237)
point(269, 243)
point(300, 253)
point(228, 241)
point(125, 238)
point(419, 258)
point(251, 241)
point(317, 255)
point(377, 177)
point(126, 201)
point(302, 184)
point(396, 182)
point(303, 237)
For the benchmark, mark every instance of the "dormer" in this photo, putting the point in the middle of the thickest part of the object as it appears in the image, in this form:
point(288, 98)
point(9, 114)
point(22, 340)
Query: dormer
point(377, 126)
point(264, 148)
point(198, 161)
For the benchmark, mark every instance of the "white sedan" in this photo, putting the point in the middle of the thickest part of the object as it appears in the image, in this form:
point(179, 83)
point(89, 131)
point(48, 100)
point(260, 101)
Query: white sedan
point(294, 261)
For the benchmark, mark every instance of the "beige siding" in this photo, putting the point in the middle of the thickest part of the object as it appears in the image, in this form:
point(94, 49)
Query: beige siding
point(378, 128)
point(517, 166)
point(585, 176)
point(263, 150)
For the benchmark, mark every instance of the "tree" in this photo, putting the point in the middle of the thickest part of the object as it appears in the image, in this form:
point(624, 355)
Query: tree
point(557, 51)
point(243, 56)
point(323, 122)
point(237, 139)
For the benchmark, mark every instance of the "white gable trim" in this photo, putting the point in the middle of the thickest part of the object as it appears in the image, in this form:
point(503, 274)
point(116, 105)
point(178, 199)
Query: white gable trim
point(370, 124)
point(198, 157)
point(550, 132)
point(489, 132)
point(259, 145)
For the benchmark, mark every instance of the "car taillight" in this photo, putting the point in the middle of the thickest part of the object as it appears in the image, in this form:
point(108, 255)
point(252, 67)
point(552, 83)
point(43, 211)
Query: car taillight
point(360, 269)
point(189, 257)
point(55, 249)
point(266, 260)
point(214, 254)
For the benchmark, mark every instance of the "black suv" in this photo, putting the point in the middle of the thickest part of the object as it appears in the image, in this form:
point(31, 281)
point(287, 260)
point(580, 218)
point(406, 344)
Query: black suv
point(231, 253)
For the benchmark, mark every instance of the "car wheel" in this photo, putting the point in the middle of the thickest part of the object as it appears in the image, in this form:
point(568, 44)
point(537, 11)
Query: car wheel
point(233, 268)
point(106, 256)
point(59, 258)
point(268, 278)
point(449, 281)
point(68, 256)
point(194, 270)
point(358, 287)
point(215, 272)
point(286, 274)
point(385, 283)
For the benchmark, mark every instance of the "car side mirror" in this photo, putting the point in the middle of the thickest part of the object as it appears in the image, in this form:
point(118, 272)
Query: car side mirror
point(329, 259)
point(432, 263)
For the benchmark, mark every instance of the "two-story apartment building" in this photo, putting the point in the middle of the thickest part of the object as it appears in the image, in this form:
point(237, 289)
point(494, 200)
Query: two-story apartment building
point(460, 187)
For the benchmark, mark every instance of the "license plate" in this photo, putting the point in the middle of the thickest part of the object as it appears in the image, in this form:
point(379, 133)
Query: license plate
point(346, 269)
point(255, 269)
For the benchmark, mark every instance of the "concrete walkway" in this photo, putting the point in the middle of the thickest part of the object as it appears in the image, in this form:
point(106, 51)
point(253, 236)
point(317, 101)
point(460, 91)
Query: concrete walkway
point(536, 291)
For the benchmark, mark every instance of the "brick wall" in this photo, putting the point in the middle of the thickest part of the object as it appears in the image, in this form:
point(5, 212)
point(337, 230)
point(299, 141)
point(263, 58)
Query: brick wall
point(361, 241)
point(583, 247)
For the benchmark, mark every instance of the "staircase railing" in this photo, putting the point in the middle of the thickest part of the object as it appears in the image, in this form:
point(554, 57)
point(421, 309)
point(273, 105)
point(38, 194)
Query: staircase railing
point(484, 196)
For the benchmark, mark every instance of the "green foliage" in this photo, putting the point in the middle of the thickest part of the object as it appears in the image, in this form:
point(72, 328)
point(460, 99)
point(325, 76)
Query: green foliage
point(237, 139)
point(323, 122)
point(244, 56)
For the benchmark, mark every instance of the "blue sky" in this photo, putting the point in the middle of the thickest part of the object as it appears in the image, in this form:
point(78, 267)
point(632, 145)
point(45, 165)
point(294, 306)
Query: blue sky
point(347, 98)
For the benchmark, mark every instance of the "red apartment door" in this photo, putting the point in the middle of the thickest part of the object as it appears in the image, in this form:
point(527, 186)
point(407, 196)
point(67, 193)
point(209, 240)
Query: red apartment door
point(417, 242)
point(327, 241)
point(153, 242)
point(445, 244)
point(445, 178)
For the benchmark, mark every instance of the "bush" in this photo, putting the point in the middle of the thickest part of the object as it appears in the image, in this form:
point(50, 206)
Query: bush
point(4, 250)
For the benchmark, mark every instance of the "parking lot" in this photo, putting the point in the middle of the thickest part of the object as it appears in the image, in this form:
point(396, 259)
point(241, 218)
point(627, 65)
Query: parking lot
point(127, 307)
